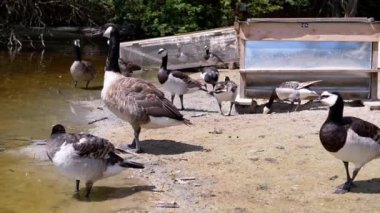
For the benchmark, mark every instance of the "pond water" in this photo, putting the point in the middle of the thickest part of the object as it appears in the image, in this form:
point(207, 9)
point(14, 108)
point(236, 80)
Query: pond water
point(37, 91)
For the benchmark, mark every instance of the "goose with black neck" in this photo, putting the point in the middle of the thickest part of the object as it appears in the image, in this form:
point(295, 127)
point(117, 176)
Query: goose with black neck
point(350, 139)
point(134, 100)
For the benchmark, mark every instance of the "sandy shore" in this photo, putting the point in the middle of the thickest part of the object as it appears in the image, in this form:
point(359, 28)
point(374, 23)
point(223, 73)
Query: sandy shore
point(243, 163)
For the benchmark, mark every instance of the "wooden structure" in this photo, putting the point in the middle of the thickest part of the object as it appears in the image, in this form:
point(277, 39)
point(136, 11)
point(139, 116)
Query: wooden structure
point(342, 52)
point(184, 50)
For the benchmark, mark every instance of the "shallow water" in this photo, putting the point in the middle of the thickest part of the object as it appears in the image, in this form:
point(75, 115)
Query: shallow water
point(37, 92)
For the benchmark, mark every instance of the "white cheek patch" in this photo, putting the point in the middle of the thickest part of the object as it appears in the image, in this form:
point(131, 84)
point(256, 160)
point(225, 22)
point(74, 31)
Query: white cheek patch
point(107, 33)
point(330, 100)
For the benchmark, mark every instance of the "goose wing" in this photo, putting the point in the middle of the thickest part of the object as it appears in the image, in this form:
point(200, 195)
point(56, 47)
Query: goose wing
point(231, 86)
point(89, 67)
point(157, 106)
point(91, 146)
point(307, 84)
point(142, 99)
point(363, 128)
point(191, 83)
point(220, 87)
point(84, 145)
point(290, 84)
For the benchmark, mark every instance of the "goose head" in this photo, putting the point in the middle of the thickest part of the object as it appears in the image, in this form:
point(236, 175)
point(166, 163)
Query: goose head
point(330, 99)
point(162, 52)
point(57, 129)
point(77, 42)
point(110, 30)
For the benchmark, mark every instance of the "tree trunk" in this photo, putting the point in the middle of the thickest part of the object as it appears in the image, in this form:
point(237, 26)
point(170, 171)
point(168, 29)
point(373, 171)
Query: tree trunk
point(350, 7)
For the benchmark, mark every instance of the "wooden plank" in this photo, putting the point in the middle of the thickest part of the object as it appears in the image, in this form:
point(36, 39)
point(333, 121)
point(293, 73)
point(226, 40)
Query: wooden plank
point(324, 20)
point(315, 31)
point(374, 75)
point(306, 71)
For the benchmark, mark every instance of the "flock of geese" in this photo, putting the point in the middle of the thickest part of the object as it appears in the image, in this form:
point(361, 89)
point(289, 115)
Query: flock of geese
point(88, 158)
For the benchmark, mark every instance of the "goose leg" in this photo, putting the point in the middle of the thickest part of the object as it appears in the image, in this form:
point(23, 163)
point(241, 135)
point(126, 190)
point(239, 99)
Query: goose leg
point(75, 83)
point(172, 98)
point(344, 188)
point(291, 106)
point(88, 82)
point(220, 108)
point(136, 143)
point(298, 105)
point(231, 104)
point(77, 185)
point(181, 99)
point(88, 188)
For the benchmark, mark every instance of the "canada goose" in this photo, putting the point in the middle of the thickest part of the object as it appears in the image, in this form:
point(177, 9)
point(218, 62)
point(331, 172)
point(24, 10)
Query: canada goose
point(81, 70)
point(127, 67)
point(85, 157)
point(176, 82)
point(225, 91)
point(134, 100)
point(292, 91)
point(349, 139)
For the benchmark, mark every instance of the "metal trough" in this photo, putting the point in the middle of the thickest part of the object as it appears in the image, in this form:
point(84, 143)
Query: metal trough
point(184, 51)
point(343, 52)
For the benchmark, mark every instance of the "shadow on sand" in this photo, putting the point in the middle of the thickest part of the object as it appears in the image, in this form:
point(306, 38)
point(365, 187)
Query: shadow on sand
point(168, 147)
point(371, 186)
point(199, 110)
point(103, 193)
point(93, 88)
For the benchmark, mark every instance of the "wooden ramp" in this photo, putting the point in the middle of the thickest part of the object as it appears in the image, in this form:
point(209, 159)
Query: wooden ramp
point(185, 50)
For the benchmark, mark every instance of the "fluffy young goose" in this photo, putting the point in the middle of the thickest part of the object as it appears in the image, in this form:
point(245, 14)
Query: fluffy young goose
point(85, 157)
point(349, 139)
point(292, 91)
point(134, 100)
point(176, 82)
point(81, 70)
point(225, 91)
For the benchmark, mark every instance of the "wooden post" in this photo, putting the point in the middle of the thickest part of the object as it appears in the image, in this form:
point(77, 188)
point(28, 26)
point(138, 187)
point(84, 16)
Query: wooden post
point(374, 75)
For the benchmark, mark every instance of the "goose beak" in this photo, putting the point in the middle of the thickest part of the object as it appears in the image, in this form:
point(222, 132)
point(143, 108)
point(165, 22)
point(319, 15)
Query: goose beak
point(317, 100)
point(107, 33)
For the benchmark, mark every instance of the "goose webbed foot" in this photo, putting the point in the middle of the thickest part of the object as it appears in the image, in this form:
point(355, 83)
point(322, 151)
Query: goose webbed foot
point(344, 188)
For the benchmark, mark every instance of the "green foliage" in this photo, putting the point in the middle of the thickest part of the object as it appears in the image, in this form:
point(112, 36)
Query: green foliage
point(153, 18)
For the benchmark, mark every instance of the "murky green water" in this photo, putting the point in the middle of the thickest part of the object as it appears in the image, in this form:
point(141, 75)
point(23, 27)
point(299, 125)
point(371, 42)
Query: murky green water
point(36, 92)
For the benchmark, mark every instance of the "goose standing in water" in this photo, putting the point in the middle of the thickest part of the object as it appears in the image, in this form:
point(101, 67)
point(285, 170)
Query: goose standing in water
point(292, 91)
point(349, 139)
point(85, 157)
point(209, 74)
point(176, 82)
point(81, 70)
point(134, 100)
point(226, 91)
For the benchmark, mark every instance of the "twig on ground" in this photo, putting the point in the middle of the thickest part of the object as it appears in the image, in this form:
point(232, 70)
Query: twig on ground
point(100, 119)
